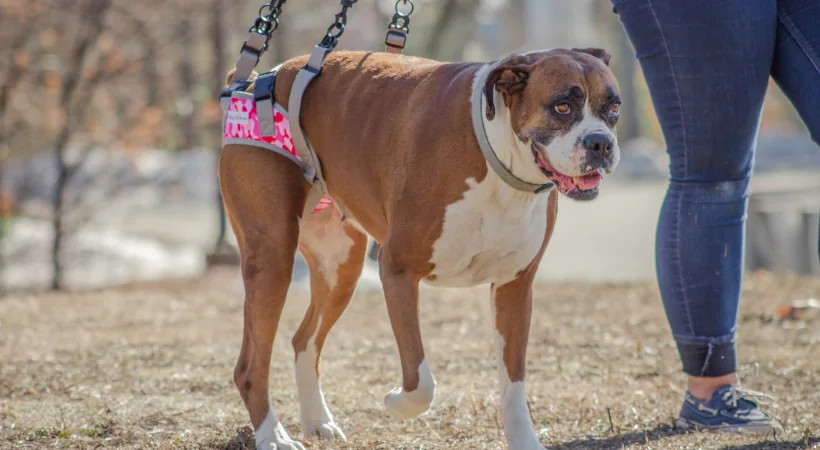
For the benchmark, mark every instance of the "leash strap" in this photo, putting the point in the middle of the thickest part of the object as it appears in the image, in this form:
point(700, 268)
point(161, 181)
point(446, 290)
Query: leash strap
point(487, 149)
point(266, 23)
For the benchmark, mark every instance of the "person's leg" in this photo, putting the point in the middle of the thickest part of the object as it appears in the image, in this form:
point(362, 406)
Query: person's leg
point(707, 65)
point(796, 66)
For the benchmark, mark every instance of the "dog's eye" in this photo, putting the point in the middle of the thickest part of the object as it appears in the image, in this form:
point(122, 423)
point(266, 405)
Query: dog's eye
point(615, 109)
point(563, 108)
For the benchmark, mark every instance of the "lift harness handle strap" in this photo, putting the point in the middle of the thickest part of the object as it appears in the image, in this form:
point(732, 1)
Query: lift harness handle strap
point(249, 56)
point(398, 29)
point(310, 160)
point(266, 23)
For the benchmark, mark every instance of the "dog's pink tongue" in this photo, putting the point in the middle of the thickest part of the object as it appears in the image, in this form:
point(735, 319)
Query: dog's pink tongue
point(587, 182)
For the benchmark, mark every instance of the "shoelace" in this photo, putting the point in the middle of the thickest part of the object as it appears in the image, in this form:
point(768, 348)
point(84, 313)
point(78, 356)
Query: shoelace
point(735, 393)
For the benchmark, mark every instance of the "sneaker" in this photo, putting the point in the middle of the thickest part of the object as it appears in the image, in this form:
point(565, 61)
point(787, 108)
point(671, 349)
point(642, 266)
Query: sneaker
point(729, 410)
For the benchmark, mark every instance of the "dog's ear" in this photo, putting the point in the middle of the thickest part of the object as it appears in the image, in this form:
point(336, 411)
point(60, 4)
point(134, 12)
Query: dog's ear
point(599, 53)
point(510, 77)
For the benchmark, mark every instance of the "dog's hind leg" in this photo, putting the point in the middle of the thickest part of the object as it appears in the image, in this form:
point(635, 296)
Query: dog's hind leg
point(334, 251)
point(264, 195)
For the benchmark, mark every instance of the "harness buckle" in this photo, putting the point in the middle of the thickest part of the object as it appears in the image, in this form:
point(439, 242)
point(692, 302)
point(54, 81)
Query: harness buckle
point(263, 97)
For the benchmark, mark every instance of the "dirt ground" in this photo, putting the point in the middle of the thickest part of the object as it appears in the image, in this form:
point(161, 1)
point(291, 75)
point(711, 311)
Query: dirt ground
point(150, 366)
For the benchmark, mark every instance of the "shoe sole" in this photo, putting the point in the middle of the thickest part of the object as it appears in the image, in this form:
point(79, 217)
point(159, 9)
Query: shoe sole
point(760, 429)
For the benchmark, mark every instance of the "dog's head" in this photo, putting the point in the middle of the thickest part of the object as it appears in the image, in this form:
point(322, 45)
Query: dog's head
point(563, 106)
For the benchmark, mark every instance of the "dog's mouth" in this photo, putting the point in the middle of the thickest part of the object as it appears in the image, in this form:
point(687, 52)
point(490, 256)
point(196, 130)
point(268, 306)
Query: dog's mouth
point(582, 187)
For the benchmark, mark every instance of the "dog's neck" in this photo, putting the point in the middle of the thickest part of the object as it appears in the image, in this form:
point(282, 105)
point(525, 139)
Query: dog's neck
point(510, 150)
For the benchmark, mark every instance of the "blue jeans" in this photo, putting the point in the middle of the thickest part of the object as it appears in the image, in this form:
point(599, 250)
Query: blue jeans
point(707, 63)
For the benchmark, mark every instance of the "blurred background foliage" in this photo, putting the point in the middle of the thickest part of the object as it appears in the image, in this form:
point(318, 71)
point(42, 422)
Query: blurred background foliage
point(108, 113)
point(144, 74)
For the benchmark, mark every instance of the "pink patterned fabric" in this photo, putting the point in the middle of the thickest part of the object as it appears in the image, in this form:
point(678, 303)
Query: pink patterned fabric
point(243, 123)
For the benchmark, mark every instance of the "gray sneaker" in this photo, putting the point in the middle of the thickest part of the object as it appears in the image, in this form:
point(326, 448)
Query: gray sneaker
point(730, 410)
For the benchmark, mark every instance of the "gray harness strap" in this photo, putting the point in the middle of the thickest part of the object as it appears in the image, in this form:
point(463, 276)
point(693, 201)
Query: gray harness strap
point(314, 195)
point(249, 57)
point(264, 101)
point(310, 160)
point(477, 112)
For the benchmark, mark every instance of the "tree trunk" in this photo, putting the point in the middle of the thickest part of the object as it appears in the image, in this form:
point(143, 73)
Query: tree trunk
point(442, 45)
point(629, 127)
point(218, 38)
point(185, 101)
point(72, 79)
point(222, 252)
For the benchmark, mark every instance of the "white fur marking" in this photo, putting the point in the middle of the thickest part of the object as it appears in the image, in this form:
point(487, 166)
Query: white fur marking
point(406, 405)
point(327, 239)
point(271, 435)
point(489, 235)
point(515, 414)
point(566, 153)
point(516, 155)
point(316, 417)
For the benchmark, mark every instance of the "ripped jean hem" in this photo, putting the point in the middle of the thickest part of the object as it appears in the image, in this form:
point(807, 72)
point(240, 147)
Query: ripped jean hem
point(708, 356)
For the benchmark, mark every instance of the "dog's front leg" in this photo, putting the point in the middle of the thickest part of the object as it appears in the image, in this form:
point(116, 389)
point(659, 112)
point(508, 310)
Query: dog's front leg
point(512, 303)
point(401, 291)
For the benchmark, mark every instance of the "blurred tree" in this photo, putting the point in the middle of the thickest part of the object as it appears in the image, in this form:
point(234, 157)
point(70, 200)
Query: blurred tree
point(72, 112)
point(452, 29)
point(624, 65)
point(186, 103)
point(118, 77)
point(222, 252)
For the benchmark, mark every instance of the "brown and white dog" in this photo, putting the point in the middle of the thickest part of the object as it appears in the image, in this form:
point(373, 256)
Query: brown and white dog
point(395, 139)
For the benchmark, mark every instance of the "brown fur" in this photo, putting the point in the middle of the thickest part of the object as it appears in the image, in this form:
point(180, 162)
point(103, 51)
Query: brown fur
point(513, 306)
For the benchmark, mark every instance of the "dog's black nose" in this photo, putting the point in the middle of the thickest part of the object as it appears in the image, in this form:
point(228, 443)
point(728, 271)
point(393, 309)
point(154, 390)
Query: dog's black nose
point(599, 143)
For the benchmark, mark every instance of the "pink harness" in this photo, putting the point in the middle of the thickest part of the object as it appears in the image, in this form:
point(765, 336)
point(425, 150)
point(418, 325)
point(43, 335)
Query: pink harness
point(242, 124)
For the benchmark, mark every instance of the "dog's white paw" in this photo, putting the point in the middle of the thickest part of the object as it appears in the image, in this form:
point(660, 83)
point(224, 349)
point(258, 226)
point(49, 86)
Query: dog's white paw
point(284, 445)
point(272, 436)
point(524, 442)
point(327, 431)
point(406, 405)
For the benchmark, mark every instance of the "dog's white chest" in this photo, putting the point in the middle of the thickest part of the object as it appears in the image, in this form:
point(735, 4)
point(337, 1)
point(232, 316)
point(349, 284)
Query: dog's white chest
point(489, 235)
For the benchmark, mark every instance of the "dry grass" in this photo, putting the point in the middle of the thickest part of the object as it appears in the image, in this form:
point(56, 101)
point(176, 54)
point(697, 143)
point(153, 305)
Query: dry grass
point(150, 366)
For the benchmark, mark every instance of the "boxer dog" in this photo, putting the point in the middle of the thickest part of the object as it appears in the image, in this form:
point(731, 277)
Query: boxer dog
point(401, 159)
